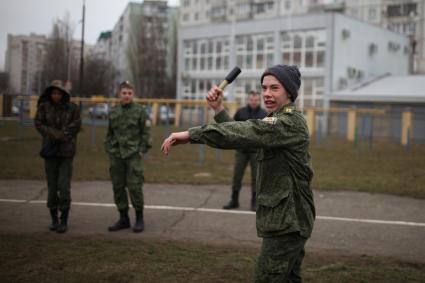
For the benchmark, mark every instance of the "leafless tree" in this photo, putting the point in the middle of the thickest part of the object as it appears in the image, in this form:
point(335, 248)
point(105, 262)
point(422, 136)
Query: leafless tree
point(98, 76)
point(147, 53)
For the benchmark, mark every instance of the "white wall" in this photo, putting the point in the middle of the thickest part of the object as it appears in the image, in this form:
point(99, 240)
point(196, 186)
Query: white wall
point(353, 51)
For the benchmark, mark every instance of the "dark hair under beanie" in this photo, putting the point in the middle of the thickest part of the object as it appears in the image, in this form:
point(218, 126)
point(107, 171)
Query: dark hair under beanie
point(288, 76)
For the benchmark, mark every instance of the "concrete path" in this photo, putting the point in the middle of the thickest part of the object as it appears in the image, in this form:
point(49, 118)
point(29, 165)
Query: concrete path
point(347, 222)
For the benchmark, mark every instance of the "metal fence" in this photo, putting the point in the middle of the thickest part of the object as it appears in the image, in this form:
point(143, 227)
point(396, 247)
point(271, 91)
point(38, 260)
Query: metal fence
point(395, 124)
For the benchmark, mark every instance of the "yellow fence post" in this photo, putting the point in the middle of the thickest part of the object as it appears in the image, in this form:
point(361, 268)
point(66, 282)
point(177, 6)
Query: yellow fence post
point(1, 105)
point(33, 106)
point(155, 108)
point(177, 114)
point(351, 124)
point(311, 121)
point(406, 127)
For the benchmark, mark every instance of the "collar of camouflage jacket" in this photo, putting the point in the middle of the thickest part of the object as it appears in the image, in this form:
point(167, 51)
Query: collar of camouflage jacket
point(288, 108)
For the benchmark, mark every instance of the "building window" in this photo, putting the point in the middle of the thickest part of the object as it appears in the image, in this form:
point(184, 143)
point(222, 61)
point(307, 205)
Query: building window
point(206, 54)
point(305, 49)
point(372, 14)
point(254, 52)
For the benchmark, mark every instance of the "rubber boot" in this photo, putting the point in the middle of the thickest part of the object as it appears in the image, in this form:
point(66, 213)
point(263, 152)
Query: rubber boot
point(139, 226)
point(63, 225)
point(122, 223)
point(254, 202)
point(234, 202)
point(55, 220)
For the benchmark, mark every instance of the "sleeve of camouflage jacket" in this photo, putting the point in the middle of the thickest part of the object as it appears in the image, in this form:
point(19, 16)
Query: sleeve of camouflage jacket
point(250, 134)
point(146, 142)
point(223, 116)
point(43, 129)
point(109, 137)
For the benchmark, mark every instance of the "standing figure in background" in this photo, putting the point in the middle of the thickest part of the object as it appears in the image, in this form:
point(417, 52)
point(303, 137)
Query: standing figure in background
point(127, 141)
point(58, 121)
point(242, 156)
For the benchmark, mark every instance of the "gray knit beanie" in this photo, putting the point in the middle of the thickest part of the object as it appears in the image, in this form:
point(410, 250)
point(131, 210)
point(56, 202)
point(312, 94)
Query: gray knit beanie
point(288, 76)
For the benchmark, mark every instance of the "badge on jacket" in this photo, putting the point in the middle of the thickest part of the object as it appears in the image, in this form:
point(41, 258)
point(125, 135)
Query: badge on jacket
point(270, 120)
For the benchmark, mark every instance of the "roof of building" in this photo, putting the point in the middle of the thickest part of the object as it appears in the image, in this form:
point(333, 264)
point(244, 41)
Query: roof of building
point(386, 88)
point(105, 35)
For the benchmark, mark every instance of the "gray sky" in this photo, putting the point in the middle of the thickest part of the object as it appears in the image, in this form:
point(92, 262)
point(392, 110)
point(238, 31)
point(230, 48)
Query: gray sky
point(37, 16)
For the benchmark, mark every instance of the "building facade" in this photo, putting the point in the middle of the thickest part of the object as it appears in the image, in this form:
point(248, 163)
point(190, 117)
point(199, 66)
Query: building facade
point(333, 51)
point(24, 62)
point(406, 17)
point(139, 24)
point(102, 50)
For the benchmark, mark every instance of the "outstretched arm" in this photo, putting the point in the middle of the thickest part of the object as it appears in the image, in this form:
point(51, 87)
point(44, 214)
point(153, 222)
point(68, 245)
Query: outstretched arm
point(174, 139)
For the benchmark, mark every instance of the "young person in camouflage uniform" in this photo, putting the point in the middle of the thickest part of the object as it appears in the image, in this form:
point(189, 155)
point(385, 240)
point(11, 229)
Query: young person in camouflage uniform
point(285, 207)
point(58, 121)
point(128, 139)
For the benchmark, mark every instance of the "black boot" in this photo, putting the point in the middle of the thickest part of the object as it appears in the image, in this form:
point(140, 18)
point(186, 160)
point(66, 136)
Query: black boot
point(122, 223)
point(139, 226)
point(55, 220)
point(234, 202)
point(63, 225)
point(254, 202)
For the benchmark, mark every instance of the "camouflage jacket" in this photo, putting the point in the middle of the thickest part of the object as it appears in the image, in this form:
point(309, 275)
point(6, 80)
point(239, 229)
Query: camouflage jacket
point(59, 124)
point(284, 198)
point(128, 131)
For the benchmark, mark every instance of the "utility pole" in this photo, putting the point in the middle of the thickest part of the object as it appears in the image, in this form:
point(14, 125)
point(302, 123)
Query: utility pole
point(82, 49)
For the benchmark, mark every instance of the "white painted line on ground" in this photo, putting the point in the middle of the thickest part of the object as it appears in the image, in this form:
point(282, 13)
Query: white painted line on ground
point(213, 210)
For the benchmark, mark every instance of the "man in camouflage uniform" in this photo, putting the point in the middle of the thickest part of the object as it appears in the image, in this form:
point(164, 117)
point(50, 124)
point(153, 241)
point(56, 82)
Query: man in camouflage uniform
point(244, 156)
point(285, 207)
point(58, 121)
point(128, 139)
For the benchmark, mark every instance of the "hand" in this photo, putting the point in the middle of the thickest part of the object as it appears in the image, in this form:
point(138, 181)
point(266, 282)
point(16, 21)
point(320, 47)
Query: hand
point(215, 99)
point(174, 139)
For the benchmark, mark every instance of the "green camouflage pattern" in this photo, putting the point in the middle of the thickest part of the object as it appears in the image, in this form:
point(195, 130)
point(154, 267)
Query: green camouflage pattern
point(127, 173)
point(280, 259)
point(129, 134)
point(58, 175)
point(129, 131)
point(284, 198)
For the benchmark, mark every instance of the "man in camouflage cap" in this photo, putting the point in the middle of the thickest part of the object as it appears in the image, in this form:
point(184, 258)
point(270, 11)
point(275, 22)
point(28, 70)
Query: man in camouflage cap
point(128, 139)
point(58, 121)
point(285, 207)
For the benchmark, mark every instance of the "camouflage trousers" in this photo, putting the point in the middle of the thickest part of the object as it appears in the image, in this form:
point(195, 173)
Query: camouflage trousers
point(242, 158)
point(280, 259)
point(58, 175)
point(127, 173)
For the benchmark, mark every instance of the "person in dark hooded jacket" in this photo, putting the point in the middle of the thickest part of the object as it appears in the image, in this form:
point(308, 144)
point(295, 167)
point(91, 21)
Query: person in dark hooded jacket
point(58, 121)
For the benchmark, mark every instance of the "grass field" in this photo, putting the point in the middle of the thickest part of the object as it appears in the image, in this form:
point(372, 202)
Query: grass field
point(339, 165)
point(52, 258)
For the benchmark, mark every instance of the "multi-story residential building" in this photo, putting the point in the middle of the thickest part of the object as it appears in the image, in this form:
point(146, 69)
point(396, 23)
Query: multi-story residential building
point(24, 61)
point(139, 24)
point(103, 47)
point(333, 51)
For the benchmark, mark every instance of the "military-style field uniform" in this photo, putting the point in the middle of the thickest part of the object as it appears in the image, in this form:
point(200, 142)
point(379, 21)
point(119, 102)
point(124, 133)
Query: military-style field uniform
point(243, 157)
point(285, 207)
point(127, 138)
point(59, 125)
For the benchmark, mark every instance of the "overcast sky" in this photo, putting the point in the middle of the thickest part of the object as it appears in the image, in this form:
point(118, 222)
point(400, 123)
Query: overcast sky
point(37, 16)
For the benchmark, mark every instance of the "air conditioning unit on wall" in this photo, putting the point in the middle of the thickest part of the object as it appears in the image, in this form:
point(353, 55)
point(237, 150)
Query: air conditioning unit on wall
point(345, 33)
